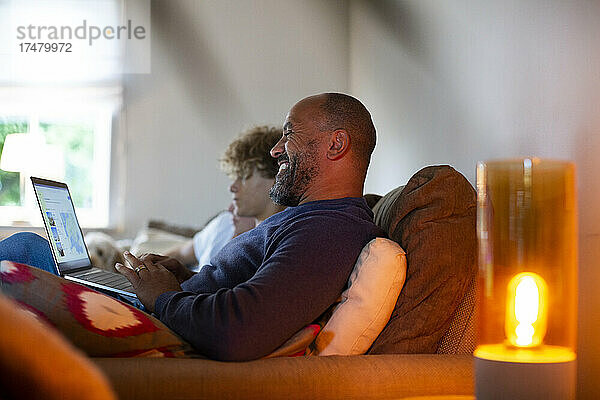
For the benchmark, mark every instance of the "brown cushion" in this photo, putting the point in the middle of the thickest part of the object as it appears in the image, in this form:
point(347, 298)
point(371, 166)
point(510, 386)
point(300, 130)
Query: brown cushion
point(460, 337)
point(433, 218)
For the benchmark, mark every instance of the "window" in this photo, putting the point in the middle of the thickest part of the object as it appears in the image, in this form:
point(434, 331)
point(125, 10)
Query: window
point(64, 103)
point(75, 139)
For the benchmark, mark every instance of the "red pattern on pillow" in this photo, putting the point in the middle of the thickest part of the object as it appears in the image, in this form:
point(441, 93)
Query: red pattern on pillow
point(37, 313)
point(16, 273)
point(125, 321)
point(298, 345)
point(313, 330)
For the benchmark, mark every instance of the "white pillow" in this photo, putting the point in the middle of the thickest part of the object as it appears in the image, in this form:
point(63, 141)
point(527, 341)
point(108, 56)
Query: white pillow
point(367, 303)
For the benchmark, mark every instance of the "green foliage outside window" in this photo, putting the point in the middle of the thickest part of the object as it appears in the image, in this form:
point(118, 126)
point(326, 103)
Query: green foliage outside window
point(77, 141)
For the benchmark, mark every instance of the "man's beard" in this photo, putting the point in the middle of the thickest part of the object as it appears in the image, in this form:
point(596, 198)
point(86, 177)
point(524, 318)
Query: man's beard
point(291, 183)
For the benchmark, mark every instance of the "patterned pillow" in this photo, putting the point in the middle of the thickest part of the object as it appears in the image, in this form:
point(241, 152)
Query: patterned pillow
point(98, 324)
point(297, 345)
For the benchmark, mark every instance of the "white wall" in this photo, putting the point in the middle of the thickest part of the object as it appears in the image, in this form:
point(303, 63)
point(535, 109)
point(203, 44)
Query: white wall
point(462, 81)
point(217, 67)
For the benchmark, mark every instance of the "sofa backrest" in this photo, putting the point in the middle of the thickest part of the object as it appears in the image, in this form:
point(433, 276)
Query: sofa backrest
point(433, 218)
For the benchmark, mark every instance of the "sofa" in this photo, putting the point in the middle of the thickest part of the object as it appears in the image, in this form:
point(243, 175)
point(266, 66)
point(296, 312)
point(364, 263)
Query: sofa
point(424, 350)
point(381, 376)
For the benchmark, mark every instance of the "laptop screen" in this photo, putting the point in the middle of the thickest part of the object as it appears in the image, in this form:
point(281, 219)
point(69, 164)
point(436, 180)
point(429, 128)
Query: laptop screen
point(64, 233)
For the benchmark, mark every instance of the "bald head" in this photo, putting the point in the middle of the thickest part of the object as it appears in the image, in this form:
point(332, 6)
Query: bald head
point(341, 111)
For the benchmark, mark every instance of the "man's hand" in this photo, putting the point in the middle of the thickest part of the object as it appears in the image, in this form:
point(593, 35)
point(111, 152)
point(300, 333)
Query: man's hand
point(149, 280)
point(181, 272)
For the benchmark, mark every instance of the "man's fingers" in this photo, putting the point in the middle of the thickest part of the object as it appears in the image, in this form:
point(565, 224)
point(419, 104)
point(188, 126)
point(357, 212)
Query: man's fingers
point(149, 265)
point(139, 266)
point(137, 263)
point(131, 260)
point(147, 256)
point(129, 274)
point(152, 257)
point(161, 267)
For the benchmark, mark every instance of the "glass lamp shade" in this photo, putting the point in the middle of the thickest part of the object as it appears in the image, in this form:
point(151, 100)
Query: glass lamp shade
point(527, 230)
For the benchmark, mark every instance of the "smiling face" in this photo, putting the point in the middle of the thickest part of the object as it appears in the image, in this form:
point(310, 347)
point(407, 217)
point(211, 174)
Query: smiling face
point(297, 154)
point(251, 196)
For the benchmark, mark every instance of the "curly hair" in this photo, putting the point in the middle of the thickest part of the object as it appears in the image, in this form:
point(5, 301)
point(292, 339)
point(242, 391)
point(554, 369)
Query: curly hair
point(250, 151)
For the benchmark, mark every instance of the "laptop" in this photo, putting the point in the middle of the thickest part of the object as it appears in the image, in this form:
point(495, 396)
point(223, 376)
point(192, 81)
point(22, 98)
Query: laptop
point(66, 240)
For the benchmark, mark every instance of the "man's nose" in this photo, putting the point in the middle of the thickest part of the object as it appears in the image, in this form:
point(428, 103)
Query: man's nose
point(278, 149)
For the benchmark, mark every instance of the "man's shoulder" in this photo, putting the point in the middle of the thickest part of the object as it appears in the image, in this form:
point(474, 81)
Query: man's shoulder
point(337, 208)
point(328, 216)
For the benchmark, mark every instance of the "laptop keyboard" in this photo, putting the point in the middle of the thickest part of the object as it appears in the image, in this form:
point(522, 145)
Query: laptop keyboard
point(106, 278)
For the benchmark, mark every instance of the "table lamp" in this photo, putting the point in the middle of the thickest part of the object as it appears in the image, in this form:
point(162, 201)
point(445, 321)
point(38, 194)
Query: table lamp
point(17, 153)
point(29, 154)
point(527, 293)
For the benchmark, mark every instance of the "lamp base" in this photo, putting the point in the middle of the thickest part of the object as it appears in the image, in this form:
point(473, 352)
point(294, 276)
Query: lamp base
point(514, 380)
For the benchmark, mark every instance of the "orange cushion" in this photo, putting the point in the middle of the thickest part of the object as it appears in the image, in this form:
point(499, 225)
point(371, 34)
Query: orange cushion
point(37, 363)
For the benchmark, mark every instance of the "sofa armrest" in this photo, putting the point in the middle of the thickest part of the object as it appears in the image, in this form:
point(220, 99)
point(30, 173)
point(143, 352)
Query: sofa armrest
point(334, 377)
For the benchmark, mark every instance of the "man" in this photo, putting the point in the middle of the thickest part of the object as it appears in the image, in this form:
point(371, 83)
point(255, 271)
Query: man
point(268, 283)
point(248, 163)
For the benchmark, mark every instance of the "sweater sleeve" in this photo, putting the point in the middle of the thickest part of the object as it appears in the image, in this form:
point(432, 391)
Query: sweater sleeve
point(305, 269)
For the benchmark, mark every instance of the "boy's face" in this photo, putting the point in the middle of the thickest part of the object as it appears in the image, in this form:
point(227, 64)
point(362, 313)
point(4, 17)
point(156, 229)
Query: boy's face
point(251, 196)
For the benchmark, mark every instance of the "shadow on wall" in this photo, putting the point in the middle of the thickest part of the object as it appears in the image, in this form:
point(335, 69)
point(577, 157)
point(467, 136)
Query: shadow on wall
point(179, 40)
point(399, 19)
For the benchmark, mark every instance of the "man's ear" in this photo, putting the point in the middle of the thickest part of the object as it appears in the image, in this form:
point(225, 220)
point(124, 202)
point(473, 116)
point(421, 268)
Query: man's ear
point(339, 144)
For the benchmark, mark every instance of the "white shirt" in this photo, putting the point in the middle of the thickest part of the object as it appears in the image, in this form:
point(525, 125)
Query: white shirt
point(212, 238)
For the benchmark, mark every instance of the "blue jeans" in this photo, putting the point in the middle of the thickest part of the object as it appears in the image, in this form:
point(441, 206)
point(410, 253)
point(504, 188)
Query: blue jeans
point(32, 249)
point(28, 248)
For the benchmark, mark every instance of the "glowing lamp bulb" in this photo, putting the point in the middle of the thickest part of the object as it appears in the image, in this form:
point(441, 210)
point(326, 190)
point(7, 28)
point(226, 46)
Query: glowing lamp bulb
point(526, 310)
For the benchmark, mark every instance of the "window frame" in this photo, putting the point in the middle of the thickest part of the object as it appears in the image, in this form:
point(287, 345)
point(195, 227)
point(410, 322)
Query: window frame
point(97, 105)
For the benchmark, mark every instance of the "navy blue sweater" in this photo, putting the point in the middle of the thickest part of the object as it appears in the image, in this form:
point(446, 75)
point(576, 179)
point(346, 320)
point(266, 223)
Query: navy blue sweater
point(268, 283)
